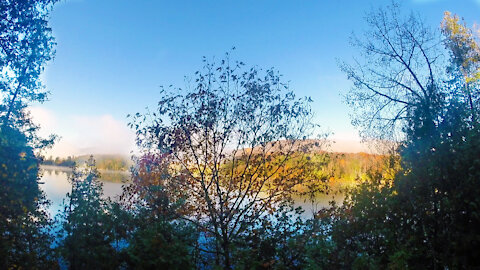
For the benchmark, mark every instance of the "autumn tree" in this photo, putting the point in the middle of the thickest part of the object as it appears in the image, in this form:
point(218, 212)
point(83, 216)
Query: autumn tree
point(227, 138)
point(424, 215)
point(157, 237)
point(462, 44)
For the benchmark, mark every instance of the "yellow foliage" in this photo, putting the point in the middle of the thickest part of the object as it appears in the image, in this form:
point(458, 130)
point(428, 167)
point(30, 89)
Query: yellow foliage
point(463, 44)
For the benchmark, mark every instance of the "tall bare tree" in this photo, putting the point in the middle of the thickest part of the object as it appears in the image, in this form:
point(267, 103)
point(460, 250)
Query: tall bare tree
point(398, 71)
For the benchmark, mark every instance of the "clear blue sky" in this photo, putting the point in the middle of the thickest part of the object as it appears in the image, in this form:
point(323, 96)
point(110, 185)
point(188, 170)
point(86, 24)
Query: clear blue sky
point(113, 54)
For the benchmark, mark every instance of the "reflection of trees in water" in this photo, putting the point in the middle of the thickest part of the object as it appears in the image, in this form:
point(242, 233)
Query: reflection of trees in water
point(115, 177)
point(47, 172)
point(107, 176)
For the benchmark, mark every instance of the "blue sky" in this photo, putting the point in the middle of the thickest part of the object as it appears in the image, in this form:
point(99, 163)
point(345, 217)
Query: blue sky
point(112, 56)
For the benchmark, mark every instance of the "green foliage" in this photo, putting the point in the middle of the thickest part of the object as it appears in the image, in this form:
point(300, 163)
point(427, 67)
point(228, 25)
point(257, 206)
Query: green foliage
point(161, 244)
point(427, 215)
point(88, 238)
point(278, 241)
point(360, 232)
point(24, 223)
point(26, 46)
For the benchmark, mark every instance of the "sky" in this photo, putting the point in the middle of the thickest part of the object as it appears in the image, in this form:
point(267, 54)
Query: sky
point(113, 55)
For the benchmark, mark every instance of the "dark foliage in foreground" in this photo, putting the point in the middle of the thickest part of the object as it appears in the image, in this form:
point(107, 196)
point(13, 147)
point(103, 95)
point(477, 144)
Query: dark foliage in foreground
point(26, 45)
point(420, 211)
point(192, 204)
point(88, 235)
point(24, 223)
point(426, 215)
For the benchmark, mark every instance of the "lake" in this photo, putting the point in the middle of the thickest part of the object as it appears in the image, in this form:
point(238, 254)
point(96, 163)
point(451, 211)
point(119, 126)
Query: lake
point(55, 184)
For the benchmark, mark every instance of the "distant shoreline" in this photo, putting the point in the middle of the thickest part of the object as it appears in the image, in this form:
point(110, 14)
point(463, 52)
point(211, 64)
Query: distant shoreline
point(69, 169)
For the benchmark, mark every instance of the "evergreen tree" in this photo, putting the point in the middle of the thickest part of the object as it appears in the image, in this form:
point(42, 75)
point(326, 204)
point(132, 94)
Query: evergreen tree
point(87, 237)
point(423, 212)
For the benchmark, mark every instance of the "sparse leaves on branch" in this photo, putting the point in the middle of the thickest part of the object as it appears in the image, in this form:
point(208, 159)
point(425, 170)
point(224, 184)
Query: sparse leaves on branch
point(399, 70)
point(227, 138)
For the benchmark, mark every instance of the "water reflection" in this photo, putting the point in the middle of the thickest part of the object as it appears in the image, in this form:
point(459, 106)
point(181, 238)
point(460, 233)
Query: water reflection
point(55, 184)
point(320, 201)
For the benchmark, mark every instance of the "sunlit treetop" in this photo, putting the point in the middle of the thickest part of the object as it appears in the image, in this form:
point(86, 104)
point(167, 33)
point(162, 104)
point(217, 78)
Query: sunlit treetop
point(463, 44)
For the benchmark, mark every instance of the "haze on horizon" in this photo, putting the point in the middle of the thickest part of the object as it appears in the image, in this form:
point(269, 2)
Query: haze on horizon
point(111, 57)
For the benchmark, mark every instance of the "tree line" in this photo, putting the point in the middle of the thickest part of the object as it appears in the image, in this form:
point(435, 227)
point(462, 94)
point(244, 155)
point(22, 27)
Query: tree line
point(103, 162)
point(221, 159)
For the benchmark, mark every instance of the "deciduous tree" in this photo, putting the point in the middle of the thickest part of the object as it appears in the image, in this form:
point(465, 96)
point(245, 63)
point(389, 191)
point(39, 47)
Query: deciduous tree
point(227, 138)
point(26, 44)
point(399, 70)
point(423, 216)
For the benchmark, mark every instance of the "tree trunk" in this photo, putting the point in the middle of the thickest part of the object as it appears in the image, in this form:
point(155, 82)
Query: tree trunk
point(226, 255)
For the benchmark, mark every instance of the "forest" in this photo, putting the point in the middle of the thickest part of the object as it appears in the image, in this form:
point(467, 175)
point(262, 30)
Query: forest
point(220, 161)
point(103, 162)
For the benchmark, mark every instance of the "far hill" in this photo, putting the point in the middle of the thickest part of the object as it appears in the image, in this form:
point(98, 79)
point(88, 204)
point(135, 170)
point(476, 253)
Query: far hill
point(103, 162)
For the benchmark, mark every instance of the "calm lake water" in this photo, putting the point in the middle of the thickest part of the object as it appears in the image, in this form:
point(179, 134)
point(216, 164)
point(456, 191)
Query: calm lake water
point(55, 184)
